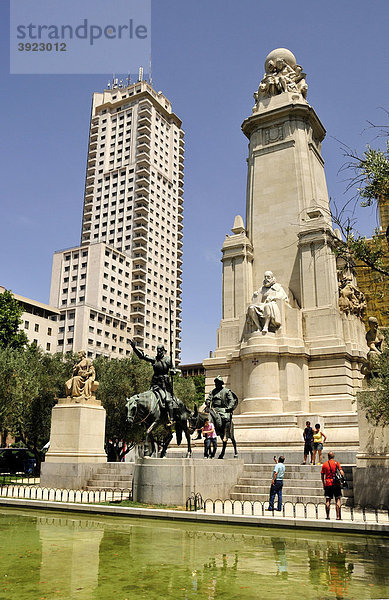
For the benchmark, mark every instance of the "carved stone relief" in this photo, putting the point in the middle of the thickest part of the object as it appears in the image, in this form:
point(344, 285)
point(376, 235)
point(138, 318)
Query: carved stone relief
point(351, 299)
point(273, 134)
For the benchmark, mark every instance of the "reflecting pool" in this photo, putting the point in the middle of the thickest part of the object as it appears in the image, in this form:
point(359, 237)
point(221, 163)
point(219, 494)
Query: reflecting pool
point(47, 556)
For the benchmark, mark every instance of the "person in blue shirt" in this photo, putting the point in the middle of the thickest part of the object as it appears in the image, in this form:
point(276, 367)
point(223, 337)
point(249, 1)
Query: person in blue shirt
point(277, 483)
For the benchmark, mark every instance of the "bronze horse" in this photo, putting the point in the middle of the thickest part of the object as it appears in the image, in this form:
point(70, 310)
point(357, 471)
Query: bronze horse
point(144, 409)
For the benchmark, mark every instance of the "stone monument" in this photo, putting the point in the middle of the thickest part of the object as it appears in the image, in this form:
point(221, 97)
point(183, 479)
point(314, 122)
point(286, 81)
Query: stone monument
point(77, 431)
point(371, 474)
point(290, 350)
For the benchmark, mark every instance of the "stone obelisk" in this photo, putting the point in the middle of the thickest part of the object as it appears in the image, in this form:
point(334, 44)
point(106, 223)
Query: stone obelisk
point(285, 345)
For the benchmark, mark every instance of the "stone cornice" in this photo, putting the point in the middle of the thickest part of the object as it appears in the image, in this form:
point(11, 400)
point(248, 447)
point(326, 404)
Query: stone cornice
point(291, 109)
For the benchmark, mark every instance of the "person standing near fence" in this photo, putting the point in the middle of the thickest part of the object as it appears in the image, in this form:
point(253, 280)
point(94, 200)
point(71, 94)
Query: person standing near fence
point(331, 484)
point(277, 484)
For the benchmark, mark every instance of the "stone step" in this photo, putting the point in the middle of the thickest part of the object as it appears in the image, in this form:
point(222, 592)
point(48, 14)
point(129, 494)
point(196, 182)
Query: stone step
point(285, 498)
point(264, 489)
point(291, 468)
point(308, 476)
point(110, 483)
point(98, 488)
point(295, 483)
point(108, 474)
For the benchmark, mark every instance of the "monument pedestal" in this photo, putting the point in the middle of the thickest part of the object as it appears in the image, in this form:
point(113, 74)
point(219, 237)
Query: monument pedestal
point(371, 475)
point(172, 480)
point(76, 443)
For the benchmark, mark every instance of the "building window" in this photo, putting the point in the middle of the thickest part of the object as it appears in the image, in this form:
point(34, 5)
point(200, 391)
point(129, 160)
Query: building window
point(48, 346)
point(49, 331)
point(36, 327)
point(26, 324)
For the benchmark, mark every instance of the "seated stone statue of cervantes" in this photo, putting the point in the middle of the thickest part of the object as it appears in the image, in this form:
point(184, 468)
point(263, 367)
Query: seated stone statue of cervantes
point(263, 311)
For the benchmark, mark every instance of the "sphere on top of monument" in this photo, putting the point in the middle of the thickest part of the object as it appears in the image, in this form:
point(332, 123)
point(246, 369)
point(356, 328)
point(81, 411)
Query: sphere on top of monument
point(277, 54)
point(282, 74)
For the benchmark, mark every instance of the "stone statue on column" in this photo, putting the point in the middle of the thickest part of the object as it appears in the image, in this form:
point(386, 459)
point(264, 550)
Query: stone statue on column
point(82, 384)
point(264, 311)
point(282, 74)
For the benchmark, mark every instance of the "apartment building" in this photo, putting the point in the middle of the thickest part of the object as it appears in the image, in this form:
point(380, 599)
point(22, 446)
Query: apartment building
point(39, 322)
point(124, 280)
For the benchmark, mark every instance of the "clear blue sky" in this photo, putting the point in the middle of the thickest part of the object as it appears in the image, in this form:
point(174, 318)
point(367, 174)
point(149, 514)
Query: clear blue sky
point(208, 59)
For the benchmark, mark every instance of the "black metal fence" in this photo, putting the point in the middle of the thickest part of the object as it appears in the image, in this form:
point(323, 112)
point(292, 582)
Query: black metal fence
point(18, 479)
point(34, 492)
point(296, 510)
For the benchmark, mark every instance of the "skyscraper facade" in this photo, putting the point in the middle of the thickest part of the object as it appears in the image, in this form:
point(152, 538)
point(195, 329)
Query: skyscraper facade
point(124, 280)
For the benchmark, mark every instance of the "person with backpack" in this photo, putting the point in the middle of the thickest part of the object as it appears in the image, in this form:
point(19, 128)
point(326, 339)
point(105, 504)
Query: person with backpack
point(332, 476)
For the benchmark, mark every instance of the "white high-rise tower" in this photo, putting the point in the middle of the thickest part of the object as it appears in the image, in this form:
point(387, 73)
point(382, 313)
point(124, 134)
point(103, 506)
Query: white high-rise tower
point(117, 284)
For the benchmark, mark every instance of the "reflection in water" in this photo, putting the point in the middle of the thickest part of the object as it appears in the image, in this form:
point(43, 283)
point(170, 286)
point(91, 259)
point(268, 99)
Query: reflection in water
point(279, 547)
point(70, 556)
point(60, 557)
point(327, 567)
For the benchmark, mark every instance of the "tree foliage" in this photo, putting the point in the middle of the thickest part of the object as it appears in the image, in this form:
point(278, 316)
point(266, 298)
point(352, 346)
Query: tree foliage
point(30, 381)
point(376, 404)
point(10, 319)
point(371, 174)
point(120, 379)
point(370, 182)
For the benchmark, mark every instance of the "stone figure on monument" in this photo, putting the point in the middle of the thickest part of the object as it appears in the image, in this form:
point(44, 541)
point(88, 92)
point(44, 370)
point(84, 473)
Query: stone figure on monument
point(375, 341)
point(351, 299)
point(221, 403)
point(263, 310)
point(161, 382)
point(282, 74)
point(83, 382)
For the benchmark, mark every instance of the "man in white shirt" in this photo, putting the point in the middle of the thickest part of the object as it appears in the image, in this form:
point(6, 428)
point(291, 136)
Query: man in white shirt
point(277, 483)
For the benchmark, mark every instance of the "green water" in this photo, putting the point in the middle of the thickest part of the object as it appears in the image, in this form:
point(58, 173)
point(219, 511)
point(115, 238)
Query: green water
point(47, 556)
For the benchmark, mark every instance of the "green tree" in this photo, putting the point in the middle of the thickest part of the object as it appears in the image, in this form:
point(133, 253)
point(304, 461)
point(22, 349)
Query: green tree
point(30, 381)
point(10, 319)
point(370, 182)
point(199, 381)
point(185, 390)
point(120, 379)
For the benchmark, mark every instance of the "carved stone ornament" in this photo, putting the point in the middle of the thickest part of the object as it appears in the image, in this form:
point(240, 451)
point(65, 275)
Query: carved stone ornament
point(282, 74)
point(273, 134)
point(351, 300)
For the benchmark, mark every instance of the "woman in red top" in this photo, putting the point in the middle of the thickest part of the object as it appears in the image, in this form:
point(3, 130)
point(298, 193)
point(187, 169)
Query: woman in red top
point(331, 488)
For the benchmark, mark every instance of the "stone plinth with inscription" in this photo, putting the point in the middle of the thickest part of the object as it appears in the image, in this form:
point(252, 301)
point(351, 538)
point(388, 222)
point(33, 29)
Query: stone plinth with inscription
point(76, 444)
